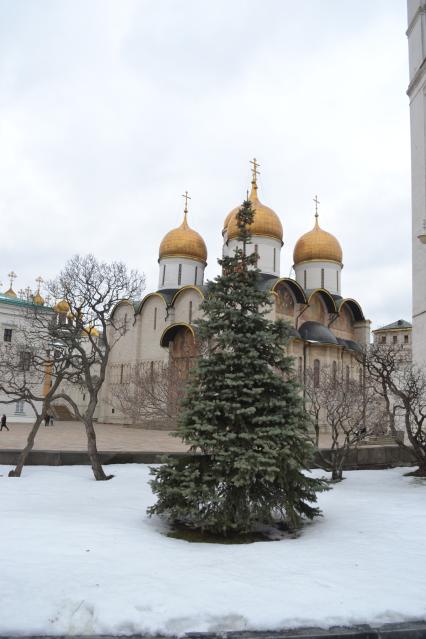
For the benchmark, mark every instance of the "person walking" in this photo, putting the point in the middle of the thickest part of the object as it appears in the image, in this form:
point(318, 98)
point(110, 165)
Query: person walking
point(50, 420)
point(3, 422)
point(46, 419)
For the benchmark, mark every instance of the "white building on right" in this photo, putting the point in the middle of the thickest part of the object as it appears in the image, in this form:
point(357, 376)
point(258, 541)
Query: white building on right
point(416, 91)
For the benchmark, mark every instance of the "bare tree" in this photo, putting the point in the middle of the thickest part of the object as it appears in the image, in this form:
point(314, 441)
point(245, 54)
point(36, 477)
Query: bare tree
point(402, 389)
point(150, 393)
point(342, 408)
point(91, 290)
point(33, 368)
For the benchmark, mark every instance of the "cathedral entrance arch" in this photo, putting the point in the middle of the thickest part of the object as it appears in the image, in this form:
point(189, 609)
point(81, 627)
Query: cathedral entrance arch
point(183, 353)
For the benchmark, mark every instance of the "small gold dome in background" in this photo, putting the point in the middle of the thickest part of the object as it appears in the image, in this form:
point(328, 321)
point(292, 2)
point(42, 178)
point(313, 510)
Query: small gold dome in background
point(61, 307)
point(10, 293)
point(317, 245)
point(184, 242)
point(265, 222)
point(38, 299)
point(91, 330)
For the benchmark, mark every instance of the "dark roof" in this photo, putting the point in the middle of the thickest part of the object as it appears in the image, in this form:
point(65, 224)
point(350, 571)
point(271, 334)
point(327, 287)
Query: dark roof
point(316, 332)
point(398, 324)
point(350, 344)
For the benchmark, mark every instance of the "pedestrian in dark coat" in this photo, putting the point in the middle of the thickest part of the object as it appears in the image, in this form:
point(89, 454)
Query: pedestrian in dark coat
point(3, 422)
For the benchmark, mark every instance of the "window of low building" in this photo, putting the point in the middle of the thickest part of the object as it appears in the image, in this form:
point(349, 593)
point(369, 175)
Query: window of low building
point(383, 339)
point(7, 335)
point(395, 339)
point(405, 339)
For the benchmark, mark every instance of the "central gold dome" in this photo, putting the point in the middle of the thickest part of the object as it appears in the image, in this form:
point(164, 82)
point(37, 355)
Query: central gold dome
point(317, 245)
point(265, 222)
point(184, 242)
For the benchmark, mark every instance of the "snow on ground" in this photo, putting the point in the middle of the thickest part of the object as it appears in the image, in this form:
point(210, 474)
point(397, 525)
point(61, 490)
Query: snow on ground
point(81, 557)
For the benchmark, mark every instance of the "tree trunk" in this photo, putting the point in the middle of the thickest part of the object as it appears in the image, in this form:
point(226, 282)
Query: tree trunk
point(28, 448)
point(337, 474)
point(93, 453)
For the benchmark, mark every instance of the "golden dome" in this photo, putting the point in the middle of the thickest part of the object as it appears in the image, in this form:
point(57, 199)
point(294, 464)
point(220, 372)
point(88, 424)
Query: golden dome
point(317, 245)
point(183, 242)
point(10, 293)
point(266, 222)
point(61, 307)
point(38, 299)
point(91, 330)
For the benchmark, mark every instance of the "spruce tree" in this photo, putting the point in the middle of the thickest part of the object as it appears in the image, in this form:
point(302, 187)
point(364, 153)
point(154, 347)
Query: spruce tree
point(242, 415)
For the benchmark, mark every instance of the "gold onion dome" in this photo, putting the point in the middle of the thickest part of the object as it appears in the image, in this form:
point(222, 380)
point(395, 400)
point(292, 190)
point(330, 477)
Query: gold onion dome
point(91, 330)
point(184, 242)
point(10, 293)
point(317, 245)
point(265, 222)
point(38, 299)
point(62, 307)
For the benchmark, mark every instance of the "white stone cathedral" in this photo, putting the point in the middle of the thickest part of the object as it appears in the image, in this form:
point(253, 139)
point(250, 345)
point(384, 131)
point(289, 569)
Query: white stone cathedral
point(327, 328)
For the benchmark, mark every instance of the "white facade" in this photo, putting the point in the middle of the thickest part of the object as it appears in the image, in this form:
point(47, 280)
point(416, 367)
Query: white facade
point(319, 274)
point(267, 248)
point(180, 271)
point(417, 93)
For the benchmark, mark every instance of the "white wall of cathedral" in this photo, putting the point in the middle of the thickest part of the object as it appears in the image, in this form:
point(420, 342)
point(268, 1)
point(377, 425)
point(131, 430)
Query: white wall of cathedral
point(187, 306)
point(180, 271)
point(417, 93)
point(317, 274)
point(268, 249)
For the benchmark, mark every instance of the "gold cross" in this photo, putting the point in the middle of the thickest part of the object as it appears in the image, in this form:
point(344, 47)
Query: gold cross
point(12, 275)
point(39, 281)
point(254, 169)
point(316, 200)
point(186, 196)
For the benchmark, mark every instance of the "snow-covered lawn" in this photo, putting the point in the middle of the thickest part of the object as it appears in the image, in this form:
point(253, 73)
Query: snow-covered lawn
point(79, 556)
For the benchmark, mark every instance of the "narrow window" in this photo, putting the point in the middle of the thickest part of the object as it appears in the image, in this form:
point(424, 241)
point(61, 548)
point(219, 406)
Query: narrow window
point(316, 373)
point(121, 373)
point(7, 336)
point(190, 311)
point(405, 339)
point(113, 410)
point(322, 278)
point(84, 397)
point(360, 377)
point(155, 318)
point(24, 360)
point(300, 367)
point(180, 274)
point(164, 275)
point(196, 275)
point(395, 339)
point(337, 280)
point(383, 339)
point(275, 259)
point(304, 280)
point(334, 373)
point(348, 374)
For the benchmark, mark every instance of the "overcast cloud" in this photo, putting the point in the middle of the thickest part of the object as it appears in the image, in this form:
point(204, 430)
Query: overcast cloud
point(111, 109)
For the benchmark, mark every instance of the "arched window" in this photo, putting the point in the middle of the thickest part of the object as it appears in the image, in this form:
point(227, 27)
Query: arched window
point(322, 278)
point(180, 274)
point(190, 311)
point(316, 373)
point(164, 275)
point(155, 318)
point(305, 280)
point(337, 280)
point(348, 376)
point(196, 275)
point(275, 259)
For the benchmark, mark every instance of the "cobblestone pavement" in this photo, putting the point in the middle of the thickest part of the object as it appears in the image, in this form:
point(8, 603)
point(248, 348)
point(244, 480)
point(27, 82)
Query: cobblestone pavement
point(110, 437)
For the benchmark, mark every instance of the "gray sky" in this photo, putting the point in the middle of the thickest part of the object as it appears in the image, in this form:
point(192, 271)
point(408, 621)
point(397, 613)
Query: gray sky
point(111, 109)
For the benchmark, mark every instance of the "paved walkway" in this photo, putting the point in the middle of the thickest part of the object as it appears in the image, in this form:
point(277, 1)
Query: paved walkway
point(110, 437)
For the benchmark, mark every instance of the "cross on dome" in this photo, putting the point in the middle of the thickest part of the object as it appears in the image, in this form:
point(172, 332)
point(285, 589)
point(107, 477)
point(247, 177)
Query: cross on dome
point(254, 170)
point(12, 276)
point(316, 200)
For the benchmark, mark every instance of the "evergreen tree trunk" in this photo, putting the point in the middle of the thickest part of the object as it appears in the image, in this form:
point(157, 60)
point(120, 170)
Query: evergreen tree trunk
point(17, 471)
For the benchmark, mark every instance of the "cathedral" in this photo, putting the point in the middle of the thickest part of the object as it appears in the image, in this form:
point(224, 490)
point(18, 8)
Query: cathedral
point(327, 329)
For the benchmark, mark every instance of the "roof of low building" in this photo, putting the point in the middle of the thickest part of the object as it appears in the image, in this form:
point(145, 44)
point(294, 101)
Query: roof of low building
point(399, 324)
